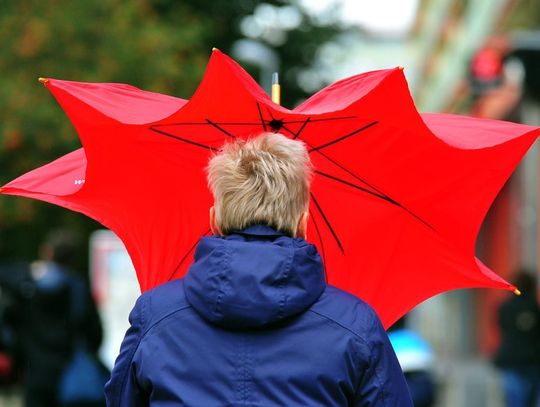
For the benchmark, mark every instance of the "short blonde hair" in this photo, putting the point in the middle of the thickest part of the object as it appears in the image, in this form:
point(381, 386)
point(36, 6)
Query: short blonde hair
point(262, 180)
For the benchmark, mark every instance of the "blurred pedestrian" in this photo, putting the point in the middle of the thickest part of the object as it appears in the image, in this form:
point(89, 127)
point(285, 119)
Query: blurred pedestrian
point(254, 323)
point(54, 316)
point(417, 361)
point(518, 356)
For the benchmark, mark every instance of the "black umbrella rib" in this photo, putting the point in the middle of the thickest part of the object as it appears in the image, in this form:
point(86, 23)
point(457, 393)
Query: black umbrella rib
point(292, 133)
point(221, 129)
point(345, 169)
point(269, 112)
point(194, 143)
point(296, 135)
point(339, 139)
point(381, 196)
point(378, 195)
point(336, 238)
point(321, 241)
point(414, 215)
point(206, 124)
point(341, 166)
point(184, 257)
point(301, 129)
point(263, 123)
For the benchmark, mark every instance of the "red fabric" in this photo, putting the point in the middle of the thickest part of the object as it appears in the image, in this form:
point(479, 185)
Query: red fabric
point(397, 200)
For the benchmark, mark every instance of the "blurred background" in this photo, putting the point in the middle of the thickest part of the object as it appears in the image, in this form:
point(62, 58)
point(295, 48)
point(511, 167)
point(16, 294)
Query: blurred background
point(475, 57)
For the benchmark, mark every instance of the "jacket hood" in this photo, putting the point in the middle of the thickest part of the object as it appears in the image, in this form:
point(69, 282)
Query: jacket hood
point(253, 277)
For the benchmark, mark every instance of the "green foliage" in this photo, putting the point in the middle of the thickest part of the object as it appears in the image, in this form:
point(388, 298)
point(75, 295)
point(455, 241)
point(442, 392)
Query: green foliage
point(524, 15)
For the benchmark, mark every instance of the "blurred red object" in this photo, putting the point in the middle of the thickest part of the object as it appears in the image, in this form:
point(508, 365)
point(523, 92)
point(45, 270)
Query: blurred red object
point(487, 65)
point(7, 374)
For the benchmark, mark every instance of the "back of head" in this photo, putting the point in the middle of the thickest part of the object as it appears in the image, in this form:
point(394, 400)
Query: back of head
point(264, 180)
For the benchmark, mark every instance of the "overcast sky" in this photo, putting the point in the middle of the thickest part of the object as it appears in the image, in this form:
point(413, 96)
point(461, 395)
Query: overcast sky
point(390, 17)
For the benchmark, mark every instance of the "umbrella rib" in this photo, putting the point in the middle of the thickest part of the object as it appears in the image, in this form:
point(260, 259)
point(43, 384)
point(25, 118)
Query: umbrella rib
point(341, 166)
point(336, 238)
point(206, 124)
point(221, 129)
point(321, 241)
point(292, 133)
point(414, 215)
point(261, 117)
point(367, 126)
point(301, 129)
point(346, 170)
point(270, 112)
point(379, 193)
point(185, 255)
point(381, 196)
point(183, 139)
point(262, 122)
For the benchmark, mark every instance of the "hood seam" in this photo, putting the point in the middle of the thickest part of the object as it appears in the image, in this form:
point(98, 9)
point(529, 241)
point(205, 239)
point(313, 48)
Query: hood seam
point(221, 282)
point(286, 273)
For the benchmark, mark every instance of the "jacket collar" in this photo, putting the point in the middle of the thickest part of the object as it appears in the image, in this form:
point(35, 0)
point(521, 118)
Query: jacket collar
point(259, 230)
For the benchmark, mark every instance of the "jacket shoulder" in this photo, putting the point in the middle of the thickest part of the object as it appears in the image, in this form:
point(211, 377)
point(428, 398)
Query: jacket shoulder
point(158, 303)
point(347, 311)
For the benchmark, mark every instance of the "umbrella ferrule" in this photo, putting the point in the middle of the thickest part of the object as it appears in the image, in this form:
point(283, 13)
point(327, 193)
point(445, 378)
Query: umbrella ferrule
point(276, 89)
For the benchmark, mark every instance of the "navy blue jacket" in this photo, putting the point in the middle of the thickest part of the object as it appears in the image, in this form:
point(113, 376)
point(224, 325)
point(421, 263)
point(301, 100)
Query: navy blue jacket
point(253, 323)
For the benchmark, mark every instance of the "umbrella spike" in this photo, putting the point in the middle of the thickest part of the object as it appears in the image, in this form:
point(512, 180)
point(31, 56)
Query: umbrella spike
point(214, 49)
point(517, 292)
point(43, 80)
point(276, 89)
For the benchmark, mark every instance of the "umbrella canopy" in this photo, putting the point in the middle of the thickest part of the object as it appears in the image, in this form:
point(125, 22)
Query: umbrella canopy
point(396, 203)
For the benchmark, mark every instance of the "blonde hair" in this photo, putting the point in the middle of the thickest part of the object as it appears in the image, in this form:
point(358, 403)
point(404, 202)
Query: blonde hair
point(263, 180)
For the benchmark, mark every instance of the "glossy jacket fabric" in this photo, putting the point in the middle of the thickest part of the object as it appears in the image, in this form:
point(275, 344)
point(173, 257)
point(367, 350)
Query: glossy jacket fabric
point(254, 324)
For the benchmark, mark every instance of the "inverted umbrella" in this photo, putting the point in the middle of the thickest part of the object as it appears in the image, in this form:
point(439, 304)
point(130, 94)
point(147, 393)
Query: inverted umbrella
point(396, 203)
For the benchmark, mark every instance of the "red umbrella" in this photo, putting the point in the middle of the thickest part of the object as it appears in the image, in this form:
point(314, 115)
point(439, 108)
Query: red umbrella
point(396, 204)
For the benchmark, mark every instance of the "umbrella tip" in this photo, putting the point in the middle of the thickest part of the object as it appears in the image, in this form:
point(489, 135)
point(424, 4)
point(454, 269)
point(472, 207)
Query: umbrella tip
point(401, 68)
point(276, 89)
point(43, 80)
point(214, 49)
point(517, 292)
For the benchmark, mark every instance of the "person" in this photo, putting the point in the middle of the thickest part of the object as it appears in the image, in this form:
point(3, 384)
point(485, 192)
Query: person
point(51, 311)
point(417, 361)
point(518, 355)
point(253, 322)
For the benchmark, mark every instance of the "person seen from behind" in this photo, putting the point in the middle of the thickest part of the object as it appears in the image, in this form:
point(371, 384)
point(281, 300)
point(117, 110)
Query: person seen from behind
point(52, 315)
point(253, 322)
